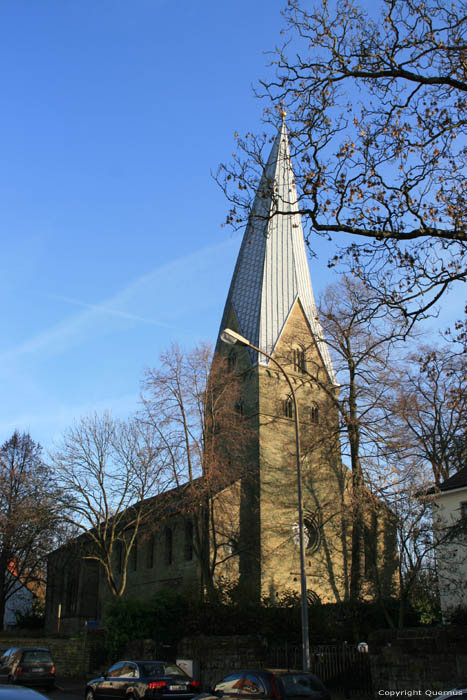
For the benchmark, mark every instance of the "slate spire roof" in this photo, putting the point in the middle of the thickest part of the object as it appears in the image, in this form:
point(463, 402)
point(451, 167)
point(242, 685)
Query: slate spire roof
point(272, 268)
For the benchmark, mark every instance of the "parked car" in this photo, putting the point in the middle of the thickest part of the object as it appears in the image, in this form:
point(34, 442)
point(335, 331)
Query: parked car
point(160, 680)
point(28, 666)
point(247, 683)
point(272, 685)
point(19, 693)
point(298, 684)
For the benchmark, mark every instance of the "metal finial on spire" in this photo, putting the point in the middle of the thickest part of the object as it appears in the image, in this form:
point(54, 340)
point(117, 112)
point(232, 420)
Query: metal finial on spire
point(282, 111)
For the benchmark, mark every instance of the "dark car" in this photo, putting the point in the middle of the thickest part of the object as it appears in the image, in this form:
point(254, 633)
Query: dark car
point(306, 686)
point(28, 666)
point(143, 679)
point(273, 685)
point(247, 684)
point(19, 693)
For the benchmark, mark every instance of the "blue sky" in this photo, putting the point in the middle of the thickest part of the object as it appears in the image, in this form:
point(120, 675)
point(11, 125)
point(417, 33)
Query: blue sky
point(112, 116)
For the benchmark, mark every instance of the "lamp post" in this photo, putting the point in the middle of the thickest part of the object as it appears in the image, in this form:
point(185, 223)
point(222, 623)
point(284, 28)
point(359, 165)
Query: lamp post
point(232, 338)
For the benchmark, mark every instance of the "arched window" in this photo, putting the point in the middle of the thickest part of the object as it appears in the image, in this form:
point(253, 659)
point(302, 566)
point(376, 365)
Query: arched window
point(150, 544)
point(314, 413)
point(299, 360)
point(168, 554)
point(287, 407)
point(188, 540)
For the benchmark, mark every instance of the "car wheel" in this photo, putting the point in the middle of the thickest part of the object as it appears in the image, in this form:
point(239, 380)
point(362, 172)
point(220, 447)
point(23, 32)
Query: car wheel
point(89, 694)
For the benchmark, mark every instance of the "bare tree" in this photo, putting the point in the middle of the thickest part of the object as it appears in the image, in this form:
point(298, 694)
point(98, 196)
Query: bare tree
point(108, 471)
point(402, 488)
point(362, 338)
point(429, 413)
point(29, 515)
point(192, 401)
point(377, 116)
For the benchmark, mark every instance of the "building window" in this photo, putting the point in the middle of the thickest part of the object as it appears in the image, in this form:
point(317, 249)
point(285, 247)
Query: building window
point(168, 546)
point(150, 552)
point(71, 591)
point(299, 360)
point(134, 556)
point(188, 540)
point(314, 413)
point(287, 407)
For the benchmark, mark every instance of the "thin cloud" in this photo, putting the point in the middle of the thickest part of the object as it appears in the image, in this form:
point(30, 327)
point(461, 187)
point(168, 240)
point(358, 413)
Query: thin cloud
point(100, 308)
point(163, 290)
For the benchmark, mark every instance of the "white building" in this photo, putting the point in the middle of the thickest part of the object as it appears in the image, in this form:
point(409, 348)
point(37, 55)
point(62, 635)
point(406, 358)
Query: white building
point(450, 524)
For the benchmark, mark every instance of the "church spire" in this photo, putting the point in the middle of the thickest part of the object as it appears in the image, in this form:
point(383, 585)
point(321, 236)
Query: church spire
point(272, 268)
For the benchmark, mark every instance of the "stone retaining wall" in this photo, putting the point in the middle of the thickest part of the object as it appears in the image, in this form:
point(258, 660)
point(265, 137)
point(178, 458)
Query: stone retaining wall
point(419, 659)
point(72, 657)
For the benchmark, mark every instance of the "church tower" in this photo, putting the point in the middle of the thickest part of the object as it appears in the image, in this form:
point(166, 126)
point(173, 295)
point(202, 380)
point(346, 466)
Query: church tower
point(271, 303)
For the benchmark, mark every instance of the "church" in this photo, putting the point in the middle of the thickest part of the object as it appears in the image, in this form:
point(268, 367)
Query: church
point(286, 389)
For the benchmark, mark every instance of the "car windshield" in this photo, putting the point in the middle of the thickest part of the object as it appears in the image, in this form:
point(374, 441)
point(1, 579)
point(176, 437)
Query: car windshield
point(37, 656)
point(301, 684)
point(157, 669)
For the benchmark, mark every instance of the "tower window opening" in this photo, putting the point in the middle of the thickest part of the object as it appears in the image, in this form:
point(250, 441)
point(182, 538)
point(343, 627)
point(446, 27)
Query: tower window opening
point(299, 360)
point(287, 407)
point(314, 414)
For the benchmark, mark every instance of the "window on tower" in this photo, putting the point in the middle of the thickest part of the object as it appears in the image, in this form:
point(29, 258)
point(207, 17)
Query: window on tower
point(299, 360)
point(287, 407)
point(314, 413)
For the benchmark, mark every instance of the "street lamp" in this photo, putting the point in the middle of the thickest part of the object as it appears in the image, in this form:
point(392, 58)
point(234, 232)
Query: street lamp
point(232, 338)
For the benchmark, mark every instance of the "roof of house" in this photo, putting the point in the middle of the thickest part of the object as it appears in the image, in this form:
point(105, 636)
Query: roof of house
point(456, 481)
point(272, 271)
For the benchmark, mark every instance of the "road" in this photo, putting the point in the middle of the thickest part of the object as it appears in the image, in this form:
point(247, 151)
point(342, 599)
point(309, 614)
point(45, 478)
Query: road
point(65, 690)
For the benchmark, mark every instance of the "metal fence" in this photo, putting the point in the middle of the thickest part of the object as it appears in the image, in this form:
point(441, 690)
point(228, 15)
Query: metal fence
point(340, 666)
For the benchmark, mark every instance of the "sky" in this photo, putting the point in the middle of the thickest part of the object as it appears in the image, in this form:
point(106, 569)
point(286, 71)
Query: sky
point(113, 117)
